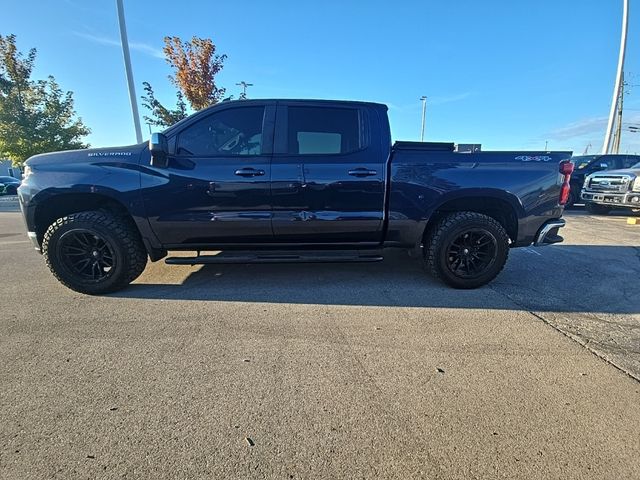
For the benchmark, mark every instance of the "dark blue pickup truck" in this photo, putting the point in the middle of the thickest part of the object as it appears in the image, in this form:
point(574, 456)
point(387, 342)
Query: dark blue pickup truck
point(288, 181)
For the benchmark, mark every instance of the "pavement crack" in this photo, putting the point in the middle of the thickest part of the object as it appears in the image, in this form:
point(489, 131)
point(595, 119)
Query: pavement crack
point(586, 343)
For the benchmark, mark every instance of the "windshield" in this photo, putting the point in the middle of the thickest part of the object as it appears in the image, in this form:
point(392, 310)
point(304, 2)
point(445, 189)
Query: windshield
point(583, 161)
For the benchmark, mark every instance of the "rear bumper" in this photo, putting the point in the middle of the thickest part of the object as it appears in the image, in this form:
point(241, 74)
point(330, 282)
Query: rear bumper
point(629, 199)
point(548, 233)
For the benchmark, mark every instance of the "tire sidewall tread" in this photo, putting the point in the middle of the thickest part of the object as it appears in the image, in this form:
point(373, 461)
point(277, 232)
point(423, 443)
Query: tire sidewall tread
point(439, 236)
point(121, 233)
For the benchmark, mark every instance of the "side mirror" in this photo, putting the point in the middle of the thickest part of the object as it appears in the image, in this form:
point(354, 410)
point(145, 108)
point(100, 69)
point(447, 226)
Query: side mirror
point(159, 150)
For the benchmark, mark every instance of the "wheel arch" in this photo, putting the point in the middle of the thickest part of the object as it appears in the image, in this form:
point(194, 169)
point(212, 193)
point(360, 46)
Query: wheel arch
point(502, 206)
point(449, 264)
point(56, 206)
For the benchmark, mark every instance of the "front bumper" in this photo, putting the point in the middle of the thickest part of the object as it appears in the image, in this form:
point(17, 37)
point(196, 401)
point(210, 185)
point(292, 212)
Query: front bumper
point(33, 236)
point(27, 210)
point(548, 233)
point(629, 199)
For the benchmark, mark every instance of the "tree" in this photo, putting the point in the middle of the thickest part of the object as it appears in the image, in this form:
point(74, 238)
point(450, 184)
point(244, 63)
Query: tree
point(161, 116)
point(36, 116)
point(195, 65)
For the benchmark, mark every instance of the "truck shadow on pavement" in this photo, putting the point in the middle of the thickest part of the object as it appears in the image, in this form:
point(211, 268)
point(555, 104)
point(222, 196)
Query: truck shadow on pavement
point(563, 278)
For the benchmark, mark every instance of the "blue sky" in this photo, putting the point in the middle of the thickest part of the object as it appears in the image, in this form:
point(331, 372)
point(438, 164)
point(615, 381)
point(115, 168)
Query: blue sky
point(507, 74)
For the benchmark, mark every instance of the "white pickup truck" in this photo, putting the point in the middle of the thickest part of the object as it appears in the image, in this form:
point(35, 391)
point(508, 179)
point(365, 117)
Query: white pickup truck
point(604, 191)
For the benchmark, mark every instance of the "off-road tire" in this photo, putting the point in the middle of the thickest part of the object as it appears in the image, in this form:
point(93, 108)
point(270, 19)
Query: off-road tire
point(121, 235)
point(439, 238)
point(596, 209)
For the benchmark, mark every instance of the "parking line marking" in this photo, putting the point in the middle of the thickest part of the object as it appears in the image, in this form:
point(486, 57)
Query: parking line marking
point(14, 242)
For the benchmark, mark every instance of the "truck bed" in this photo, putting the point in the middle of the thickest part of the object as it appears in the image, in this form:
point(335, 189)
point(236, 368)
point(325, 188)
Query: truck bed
point(430, 178)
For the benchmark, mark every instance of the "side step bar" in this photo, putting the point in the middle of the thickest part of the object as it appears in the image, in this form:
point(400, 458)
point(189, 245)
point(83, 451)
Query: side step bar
point(337, 256)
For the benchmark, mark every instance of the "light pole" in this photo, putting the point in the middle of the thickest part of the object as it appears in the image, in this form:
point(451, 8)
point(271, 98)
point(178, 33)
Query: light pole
point(618, 85)
point(127, 68)
point(424, 113)
point(244, 86)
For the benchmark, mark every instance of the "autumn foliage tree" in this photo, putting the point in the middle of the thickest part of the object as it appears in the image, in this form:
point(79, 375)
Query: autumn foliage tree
point(196, 65)
point(36, 116)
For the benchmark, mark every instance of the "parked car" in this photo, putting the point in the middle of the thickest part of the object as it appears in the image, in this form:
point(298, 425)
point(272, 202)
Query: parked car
point(288, 181)
point(619, 189)
point(11, 185)
point(587, 164)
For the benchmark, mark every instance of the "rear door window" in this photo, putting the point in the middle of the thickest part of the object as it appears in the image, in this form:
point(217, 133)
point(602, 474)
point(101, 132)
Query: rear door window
point(320, 130)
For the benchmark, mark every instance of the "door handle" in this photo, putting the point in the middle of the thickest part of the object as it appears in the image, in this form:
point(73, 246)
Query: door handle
point(249, 172)
point(362, 172)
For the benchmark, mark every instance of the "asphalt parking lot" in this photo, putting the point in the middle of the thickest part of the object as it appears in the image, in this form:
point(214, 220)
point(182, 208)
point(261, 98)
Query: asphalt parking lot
point(327, 371)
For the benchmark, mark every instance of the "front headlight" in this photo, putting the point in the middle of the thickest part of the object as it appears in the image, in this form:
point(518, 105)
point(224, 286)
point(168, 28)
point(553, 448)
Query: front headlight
point(636, 185)
point(586, 181)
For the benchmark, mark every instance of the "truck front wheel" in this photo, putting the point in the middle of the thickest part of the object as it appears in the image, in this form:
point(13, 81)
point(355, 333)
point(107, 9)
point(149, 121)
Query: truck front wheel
point(94, 252)
point(466, 249)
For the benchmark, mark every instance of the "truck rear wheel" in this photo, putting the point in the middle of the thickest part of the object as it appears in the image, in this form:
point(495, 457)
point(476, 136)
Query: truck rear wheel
point(94, 252)
point(597, 209)
point(466, 249)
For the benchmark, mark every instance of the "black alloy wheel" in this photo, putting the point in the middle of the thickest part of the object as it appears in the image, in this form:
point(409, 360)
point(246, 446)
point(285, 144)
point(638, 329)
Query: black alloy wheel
point(466, 249)
point(86, 254)
point(471, 253)
point(94, 252)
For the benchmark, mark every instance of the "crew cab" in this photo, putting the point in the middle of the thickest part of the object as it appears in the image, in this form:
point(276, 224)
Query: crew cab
point(288, 181)
point(614, 189)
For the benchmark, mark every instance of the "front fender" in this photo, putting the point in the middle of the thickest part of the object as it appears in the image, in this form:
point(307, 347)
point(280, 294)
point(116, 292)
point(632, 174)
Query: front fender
point(85, 186)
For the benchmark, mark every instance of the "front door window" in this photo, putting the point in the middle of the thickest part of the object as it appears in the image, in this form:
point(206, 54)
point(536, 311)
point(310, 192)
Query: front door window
point(232, 132)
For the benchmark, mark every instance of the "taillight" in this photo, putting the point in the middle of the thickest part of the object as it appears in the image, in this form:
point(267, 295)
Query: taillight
point(566, 169)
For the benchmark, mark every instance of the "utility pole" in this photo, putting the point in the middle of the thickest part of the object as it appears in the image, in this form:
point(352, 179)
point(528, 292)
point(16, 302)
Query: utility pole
point(546, 145)
point(618, 85)
point(618, 134)
point(424, 114)
point(127, 68)
point(244, 85)
point(586, 150)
